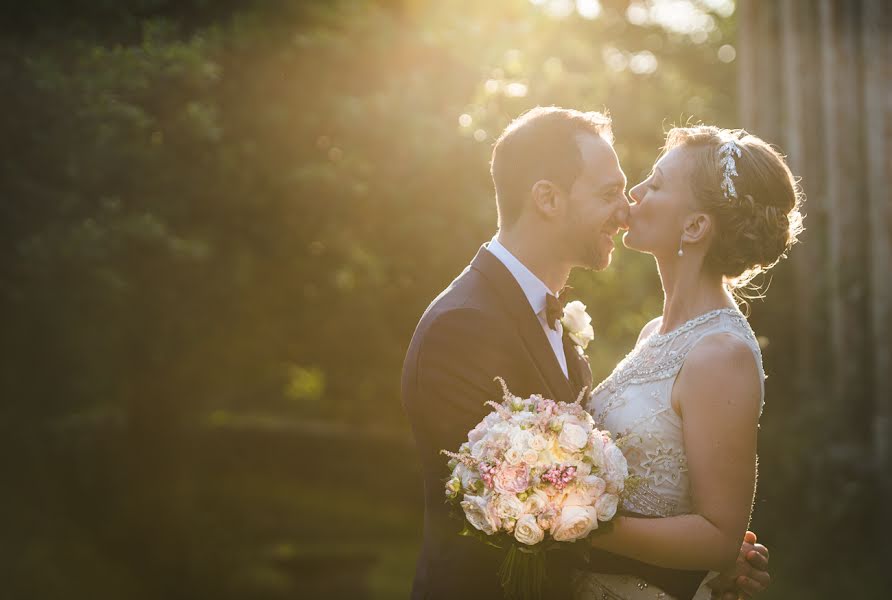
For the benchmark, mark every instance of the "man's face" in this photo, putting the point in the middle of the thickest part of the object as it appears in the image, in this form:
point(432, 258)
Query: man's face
point(598, 207)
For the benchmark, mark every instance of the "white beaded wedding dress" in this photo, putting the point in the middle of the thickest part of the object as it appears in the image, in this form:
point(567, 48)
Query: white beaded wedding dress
point(634, 402)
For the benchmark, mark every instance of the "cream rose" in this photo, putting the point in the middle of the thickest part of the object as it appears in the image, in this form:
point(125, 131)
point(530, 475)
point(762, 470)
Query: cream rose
point(538, 442)
point(513, 456)
point(527, 530)
point(477, 515)
point(478, 433)
point(617, 469)
point(596, 451)
point(582, 338)
point(572, 437)
point(578, 323)
point(594, 484)
point(536, 503)
point(575, 522)
point(520, 439)
point(508, 506)
point(467, 476)
point(530, 456)
point(606, 505)
point(546, 520)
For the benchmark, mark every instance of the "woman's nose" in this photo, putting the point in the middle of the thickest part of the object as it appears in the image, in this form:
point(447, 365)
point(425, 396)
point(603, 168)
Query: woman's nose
point(635, 193)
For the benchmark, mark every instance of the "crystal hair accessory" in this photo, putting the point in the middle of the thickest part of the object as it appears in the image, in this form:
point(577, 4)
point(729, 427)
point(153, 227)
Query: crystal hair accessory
point(729, 167)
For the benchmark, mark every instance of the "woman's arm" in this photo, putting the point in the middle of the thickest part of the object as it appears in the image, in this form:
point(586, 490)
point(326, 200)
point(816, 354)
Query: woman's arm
point(718, 392)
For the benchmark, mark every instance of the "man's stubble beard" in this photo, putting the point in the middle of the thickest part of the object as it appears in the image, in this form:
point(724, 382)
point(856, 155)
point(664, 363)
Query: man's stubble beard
point(592, 258)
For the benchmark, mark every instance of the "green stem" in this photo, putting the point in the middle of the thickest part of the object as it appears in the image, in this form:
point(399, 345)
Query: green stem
point(522, 573)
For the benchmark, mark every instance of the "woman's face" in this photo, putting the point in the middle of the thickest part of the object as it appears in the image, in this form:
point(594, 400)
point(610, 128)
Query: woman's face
point(660, 205)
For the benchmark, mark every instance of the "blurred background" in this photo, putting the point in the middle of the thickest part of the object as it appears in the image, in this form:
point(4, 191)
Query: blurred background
point(220, 221)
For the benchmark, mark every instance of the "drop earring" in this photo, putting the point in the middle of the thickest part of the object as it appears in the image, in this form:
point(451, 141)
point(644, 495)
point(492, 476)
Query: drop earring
point(680, 247)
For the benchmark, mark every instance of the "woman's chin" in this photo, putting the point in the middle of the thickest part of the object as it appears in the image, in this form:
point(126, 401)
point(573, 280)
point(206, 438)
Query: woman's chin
point(631, 243)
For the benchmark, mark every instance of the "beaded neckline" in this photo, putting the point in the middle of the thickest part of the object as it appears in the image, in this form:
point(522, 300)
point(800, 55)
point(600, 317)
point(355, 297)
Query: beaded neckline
point(659, 339)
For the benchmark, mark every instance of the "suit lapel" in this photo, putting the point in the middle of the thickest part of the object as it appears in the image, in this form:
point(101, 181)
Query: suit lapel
point(515, 302)
point(577, 366)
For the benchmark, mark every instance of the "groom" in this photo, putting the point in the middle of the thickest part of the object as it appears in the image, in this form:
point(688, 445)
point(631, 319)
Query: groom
point(561, 199)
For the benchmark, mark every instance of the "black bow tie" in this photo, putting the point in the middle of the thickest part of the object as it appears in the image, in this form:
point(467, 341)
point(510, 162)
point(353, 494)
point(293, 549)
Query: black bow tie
point(554, 307)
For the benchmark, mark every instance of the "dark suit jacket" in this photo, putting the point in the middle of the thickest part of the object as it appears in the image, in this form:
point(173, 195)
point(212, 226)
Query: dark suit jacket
point(479, 328)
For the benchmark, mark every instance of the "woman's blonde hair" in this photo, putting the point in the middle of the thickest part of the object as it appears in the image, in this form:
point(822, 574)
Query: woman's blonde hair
point(758, 223)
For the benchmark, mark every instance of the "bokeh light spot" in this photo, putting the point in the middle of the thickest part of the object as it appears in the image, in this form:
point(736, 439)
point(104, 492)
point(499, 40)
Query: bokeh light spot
point(559, 9)
point(516, 90)
point(727, 53)
point(615, 59)
point(643, 63)
point(588, 9)
point(636, 14)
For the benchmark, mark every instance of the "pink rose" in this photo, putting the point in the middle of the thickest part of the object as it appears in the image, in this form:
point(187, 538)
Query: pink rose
point(512, 479)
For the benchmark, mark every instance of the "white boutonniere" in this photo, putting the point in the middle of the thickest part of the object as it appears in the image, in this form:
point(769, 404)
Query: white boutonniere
point(578, 324)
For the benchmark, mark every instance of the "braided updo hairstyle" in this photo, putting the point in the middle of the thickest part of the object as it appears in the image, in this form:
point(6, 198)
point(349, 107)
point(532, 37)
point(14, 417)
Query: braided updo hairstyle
point(756, 228)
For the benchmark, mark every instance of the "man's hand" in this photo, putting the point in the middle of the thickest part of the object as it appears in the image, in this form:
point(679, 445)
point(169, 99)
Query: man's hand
point(749, 575)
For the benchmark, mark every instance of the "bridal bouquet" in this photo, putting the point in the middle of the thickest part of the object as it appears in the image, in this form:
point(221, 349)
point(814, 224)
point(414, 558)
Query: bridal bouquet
point(534, 474)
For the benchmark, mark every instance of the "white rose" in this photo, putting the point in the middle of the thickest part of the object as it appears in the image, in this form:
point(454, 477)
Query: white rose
point(520, 439)
point(478, 433)
point(477, 514)
point(617, 469)
point(467, 476)
point(546, 519)
point(527, 531)
point(596, 451)
point(583, 469)
point(522, 417)
point(578, 323)
point(582, 338)
point(508, 506)
point(502, 428)
point(491, 419)
point(479, 449)
point(572, 437)
point(575, 318)
point(575, 523)
point(536, 502)
point(512, 456)
point(606, 506)
point(538, 443)
point(530, 457)
point(595, 484)
point(579, 497)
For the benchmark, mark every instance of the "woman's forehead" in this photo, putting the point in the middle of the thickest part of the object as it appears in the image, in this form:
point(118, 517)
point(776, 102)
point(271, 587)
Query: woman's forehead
point(673, 162)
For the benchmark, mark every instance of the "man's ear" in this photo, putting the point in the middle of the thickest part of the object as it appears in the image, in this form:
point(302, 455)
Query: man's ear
point(698, 227)
point(546, 201)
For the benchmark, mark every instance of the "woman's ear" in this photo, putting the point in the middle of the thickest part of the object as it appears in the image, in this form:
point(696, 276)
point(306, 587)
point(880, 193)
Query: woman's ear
point(546, 200)
point(697, 228)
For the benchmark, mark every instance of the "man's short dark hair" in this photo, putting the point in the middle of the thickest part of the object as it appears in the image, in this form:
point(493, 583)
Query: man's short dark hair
point(540, 144)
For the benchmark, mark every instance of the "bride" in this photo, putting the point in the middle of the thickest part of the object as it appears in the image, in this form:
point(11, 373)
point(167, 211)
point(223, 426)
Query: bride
point(719, 208)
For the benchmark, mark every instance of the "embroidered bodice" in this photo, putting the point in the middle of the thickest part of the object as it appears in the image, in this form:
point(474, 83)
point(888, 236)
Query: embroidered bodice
point(634, 403)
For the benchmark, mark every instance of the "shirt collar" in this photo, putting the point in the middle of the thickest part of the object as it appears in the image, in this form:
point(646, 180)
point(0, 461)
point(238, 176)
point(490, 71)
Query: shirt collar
point(533, 287)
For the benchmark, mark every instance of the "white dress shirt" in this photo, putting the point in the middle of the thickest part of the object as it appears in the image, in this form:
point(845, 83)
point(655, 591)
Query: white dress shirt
point(535, 290)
